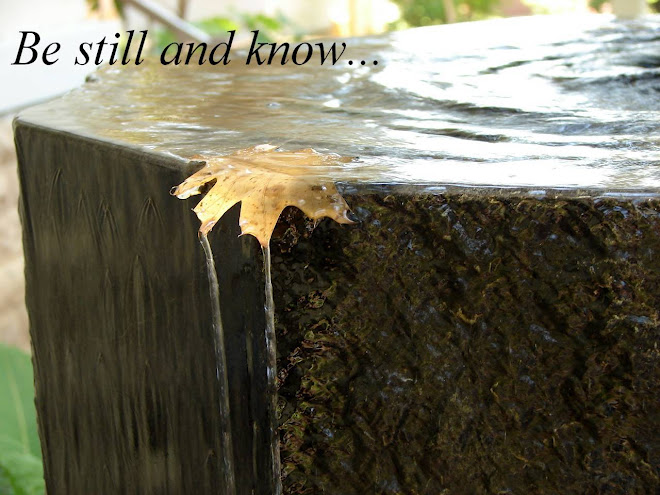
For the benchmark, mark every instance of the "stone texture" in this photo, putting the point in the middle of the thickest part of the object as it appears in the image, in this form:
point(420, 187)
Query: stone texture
point(120, 319)
point(471, 344)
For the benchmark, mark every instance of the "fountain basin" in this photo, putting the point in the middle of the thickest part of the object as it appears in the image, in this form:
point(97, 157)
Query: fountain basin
point(488, 324)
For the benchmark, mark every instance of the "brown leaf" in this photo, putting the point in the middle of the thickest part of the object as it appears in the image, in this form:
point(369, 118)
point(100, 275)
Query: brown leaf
point(266, 181)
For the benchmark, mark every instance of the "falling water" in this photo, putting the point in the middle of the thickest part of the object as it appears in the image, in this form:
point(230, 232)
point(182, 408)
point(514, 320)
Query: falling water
point(271, 370)
point(221, 369)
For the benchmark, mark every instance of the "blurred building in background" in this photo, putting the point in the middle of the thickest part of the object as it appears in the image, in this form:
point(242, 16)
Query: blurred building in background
point(68, 22)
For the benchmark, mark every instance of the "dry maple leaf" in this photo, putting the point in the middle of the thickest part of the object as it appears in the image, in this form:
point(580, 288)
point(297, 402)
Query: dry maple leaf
point(265, 181)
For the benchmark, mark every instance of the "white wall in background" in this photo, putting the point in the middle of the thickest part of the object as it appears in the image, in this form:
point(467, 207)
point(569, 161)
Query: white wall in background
point(38, 12)
point(61, 21)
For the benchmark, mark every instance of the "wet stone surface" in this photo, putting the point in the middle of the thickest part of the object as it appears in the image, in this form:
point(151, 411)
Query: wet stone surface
point(456, 344)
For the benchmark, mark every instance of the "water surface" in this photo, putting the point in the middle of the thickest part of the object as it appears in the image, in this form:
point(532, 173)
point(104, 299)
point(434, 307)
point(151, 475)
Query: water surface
point(567, 102)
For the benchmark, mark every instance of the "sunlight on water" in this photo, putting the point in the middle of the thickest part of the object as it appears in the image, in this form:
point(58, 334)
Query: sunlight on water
point(556, 102)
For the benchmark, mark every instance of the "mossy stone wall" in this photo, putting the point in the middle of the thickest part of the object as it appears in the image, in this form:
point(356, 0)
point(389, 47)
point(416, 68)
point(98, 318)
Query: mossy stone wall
point(470, 344)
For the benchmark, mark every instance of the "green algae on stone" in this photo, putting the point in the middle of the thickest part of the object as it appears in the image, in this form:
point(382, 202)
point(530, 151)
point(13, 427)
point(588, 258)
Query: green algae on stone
point(466, 344)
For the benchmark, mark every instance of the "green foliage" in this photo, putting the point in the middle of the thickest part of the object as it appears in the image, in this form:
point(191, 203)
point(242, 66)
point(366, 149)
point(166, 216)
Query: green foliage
point(427, 12)
point(94, 6)
point(270, 28)
point(265, 24)
point(21, 471)
point(214, 26)
point(597, 4)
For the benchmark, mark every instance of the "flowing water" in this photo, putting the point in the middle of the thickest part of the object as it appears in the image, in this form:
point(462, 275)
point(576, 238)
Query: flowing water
point(224, 411)
point(541, 102)
point(221, 370)
point(271, 349)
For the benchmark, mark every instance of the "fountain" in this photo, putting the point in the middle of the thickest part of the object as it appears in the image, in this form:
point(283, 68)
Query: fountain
point(487, 324)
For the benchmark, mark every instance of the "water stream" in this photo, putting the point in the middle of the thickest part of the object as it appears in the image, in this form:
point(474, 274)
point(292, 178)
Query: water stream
point(222, 374)
point(224, 411)
point(271, 349)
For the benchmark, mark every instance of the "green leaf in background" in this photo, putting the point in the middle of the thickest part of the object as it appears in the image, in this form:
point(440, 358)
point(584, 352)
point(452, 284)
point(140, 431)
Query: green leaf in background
point(21, 471)
point(217, 26)
point(270, 28)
